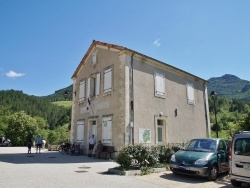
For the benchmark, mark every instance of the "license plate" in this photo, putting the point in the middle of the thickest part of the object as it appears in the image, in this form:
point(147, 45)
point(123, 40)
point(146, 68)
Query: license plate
point(184, 168)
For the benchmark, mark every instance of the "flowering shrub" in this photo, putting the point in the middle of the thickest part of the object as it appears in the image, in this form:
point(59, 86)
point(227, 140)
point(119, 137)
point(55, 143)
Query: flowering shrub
point(143, 156)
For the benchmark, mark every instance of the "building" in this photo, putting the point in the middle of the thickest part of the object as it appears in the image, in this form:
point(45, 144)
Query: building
point(124, 97)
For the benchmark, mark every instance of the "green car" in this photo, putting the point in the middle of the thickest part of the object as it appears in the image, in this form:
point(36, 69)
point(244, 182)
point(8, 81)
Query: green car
point(206, 157)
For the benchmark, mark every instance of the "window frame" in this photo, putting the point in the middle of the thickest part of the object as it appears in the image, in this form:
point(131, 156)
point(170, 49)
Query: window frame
point(93, 85)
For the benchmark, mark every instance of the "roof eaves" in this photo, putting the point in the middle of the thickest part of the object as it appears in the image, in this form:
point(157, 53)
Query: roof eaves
point(165, 64)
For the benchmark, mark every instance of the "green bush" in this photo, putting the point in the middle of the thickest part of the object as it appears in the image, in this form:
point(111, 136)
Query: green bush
point(165, 152)
point(124, 159)
point(143, 156)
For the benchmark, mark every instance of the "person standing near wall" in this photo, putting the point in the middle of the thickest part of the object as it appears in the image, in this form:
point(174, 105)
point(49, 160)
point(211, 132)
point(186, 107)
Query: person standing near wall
point(38, 143)
point(92, 142)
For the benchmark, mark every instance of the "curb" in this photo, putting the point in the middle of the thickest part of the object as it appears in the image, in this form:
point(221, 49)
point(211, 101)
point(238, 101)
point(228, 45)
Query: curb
point(134, 172)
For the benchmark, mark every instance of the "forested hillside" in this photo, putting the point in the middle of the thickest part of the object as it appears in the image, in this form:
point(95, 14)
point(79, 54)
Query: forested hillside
point(232, 116)
point(230, 86)
point(17, 101)
point(60, 95)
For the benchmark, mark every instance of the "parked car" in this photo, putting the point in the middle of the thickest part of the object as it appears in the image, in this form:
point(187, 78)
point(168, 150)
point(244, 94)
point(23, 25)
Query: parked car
point(239, 165)
point(206, 157)
point(5, 141)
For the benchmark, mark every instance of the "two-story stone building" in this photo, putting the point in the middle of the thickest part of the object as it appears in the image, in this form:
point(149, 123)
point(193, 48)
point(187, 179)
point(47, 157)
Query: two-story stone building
point(124, 97)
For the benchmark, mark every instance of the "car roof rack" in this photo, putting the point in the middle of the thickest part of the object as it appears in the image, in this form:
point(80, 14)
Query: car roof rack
point(243, 132)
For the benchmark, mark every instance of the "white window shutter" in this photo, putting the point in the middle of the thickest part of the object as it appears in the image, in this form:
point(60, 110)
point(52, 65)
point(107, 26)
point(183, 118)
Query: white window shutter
point(88, 87)
point(107, 130)
point(107, 80)
point(159, 84)
point(82, 90)
point(190, 93)
point(97, 89)
point(94, 59)
point(80, 131)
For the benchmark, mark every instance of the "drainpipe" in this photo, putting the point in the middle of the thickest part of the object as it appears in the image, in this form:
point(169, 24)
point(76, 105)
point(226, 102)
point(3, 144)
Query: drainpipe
point(132, 100)
point(206, 107)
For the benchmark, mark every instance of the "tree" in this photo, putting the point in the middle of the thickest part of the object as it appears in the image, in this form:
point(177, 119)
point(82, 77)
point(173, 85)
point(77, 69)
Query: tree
point(21, 127)
point(60, 134)
point(4, 113)
point(245, 124)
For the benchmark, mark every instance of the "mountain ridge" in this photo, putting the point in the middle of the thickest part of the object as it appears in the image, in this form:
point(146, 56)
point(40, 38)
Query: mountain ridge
point(230, 86)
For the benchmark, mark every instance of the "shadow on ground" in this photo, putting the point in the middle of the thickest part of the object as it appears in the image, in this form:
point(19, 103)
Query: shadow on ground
point(222, 179)
point(46, 157)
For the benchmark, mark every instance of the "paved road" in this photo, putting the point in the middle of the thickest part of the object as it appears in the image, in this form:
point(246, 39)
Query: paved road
point(52, 169)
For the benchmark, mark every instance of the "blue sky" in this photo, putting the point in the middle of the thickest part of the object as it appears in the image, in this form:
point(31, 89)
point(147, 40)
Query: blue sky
point(42, 42)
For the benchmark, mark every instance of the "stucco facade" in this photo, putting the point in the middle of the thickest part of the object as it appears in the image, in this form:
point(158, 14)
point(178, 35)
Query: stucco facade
point(135, 99)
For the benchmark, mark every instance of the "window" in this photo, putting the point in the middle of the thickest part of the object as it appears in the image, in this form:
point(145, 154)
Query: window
point(107, 130)
point(190, 93)
point(159, 85)
point(160, 131)
point(242, 146)
point(94, 59)
point(82, 91)
point(93, 128)
point(94, 85)
point(107, 80)
point(80, 131)
point(222, 146)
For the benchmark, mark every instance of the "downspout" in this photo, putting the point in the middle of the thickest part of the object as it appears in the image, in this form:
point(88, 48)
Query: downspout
point(132, 100)
point(206, 108)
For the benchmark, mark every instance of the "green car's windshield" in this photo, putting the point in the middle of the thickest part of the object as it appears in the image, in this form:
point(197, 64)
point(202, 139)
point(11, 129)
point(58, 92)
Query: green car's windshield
point(204, 145)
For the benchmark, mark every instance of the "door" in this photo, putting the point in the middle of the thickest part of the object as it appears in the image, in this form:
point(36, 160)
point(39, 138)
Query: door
point(222, 156)
point(241, 157)
point(93, 128)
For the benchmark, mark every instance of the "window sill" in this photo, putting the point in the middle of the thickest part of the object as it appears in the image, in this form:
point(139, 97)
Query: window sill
point(81, 101)
point(107, 93)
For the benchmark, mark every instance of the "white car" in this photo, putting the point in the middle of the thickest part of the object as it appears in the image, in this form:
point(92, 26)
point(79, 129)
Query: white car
point(239, 164)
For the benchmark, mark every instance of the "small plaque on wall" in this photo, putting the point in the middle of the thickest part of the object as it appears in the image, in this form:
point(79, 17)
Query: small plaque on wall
point(144, 136)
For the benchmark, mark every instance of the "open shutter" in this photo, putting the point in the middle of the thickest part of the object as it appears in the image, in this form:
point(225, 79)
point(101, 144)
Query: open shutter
point(82, 90)
point(88, 87)
point(97, 89)
point(159, 84)
point(190, 93)
point(107, 80)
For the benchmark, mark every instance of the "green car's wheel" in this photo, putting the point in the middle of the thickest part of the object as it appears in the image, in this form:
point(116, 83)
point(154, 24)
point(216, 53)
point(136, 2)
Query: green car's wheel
point(213, 173)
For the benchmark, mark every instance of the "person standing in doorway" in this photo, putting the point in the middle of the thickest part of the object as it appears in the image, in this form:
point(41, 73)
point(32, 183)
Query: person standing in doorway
point(38, 143)
point(92, 142)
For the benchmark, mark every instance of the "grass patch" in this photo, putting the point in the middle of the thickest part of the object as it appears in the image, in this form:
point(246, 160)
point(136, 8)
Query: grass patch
point(66, 104)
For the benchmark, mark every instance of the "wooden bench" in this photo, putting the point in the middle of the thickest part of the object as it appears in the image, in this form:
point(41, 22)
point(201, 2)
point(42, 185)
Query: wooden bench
point(108, 150)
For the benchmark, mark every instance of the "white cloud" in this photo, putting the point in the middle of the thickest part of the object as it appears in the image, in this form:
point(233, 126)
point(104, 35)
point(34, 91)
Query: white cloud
point(13, 74)
point(157, 42)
